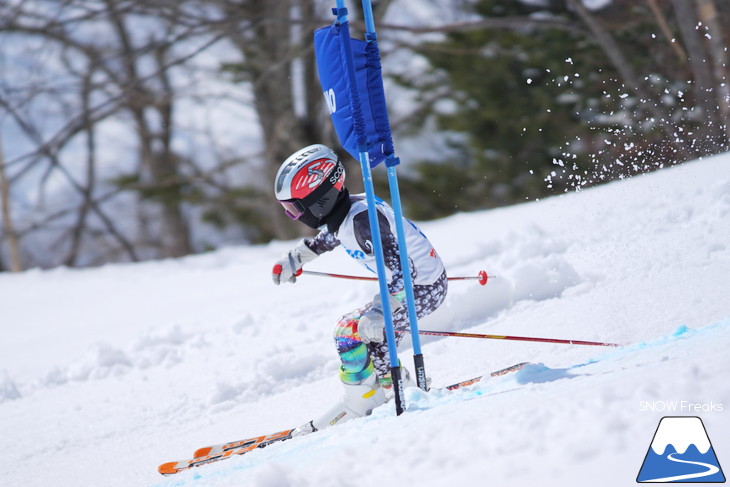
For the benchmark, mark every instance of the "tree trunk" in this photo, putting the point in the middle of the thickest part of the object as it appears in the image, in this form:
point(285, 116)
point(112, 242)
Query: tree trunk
point(9, 229)
point(167, 162)
point(272, 86)
point(87, 192)
point(160, 165)
point(270, 49)
point(709, 130)
point(662, 22)
point(708, 15)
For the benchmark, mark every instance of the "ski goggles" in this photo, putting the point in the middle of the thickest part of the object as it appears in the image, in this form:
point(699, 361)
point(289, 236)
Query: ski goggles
point(293, 208)
point(319, 203)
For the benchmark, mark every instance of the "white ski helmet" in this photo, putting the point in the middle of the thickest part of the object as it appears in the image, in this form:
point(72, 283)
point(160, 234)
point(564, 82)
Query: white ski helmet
point(310, 180)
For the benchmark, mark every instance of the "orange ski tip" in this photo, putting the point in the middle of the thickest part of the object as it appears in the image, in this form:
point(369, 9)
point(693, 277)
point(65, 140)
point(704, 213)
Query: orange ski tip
point(167, 468)
point(203, 452)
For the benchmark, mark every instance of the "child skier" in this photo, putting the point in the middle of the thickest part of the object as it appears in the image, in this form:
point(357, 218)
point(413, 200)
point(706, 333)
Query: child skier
point(310, 185)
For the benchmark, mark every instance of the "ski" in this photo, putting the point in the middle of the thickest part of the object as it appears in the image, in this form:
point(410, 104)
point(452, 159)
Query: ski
point(215, 453)
point(496, 373)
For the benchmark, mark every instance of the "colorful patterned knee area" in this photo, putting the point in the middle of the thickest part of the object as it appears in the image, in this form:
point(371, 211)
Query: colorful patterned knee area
point(356, 363)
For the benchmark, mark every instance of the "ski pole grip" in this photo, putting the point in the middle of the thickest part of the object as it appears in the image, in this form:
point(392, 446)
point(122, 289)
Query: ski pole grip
point(277, 269)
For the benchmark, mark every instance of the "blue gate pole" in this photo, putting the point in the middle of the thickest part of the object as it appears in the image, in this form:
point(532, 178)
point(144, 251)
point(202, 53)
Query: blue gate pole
point(367, 177)
point(391, 162)
point(406, 269)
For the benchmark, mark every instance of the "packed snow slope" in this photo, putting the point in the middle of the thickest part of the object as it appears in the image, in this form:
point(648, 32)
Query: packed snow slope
point(106, 373)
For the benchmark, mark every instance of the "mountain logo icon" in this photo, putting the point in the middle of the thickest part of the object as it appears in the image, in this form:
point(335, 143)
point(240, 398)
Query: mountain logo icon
point(681, 452)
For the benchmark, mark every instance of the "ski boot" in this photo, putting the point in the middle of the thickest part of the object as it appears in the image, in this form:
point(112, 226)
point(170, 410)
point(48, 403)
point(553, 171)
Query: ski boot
point(358, 400)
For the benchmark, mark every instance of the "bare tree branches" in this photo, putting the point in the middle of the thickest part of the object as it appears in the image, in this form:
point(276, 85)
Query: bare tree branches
point(509, 23)
point(109, 76)
point(99, 93)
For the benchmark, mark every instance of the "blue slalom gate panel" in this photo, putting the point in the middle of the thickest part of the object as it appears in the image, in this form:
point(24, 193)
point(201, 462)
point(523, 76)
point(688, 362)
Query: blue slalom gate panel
point(373, 119)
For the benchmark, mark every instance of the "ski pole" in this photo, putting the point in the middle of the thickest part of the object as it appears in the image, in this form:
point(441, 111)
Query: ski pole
point(507, 337)
point(482, 277)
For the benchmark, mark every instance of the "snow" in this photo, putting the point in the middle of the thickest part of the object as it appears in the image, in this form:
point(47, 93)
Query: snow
point(106, 373)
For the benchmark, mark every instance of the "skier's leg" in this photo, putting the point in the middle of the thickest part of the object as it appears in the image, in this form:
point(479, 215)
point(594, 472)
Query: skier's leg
point(356, 363)
point(362, 392)
point(379, 354)
point(364, 367)
point(426, 299)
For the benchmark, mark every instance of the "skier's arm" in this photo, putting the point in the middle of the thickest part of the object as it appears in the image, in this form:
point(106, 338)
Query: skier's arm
point(287, 268)
point(323, 242)
point(390, 246)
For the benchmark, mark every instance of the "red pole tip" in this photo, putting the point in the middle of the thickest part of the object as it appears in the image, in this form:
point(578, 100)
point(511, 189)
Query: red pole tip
point(483, 277)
